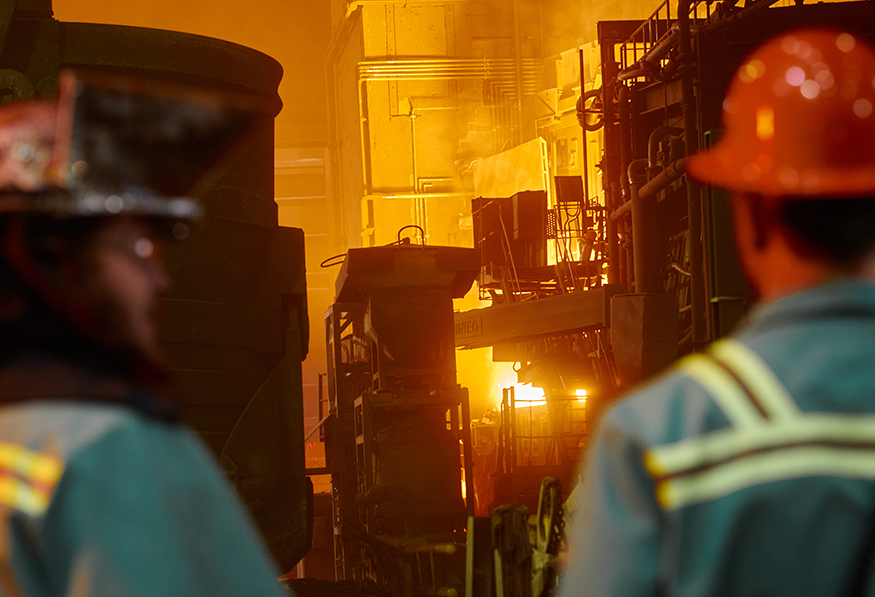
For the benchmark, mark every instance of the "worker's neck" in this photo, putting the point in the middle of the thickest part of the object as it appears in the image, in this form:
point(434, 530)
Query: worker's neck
point(778, 271)
point(777, 265)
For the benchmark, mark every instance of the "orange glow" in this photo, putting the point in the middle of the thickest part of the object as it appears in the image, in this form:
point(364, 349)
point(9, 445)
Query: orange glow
point(524, 394)
point(528, 395)
point(264, 26)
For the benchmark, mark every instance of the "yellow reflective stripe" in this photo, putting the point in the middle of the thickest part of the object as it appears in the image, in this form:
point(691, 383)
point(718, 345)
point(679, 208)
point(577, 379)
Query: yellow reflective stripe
point(21, 496)
point(717, 446)
point(759, 378)
point(792, 463)
point(731, 399)
point(33, 466)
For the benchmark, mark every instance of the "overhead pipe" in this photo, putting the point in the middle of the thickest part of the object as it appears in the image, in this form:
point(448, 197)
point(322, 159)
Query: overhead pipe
point(633, 72)
point(503, 71)
point(430, 62)
point(621, 211)
point(423, 196)
point(650, 61)
point(660, 50)
point(740, 16)
point(653, 186)
point(659, 133)
point(668, 175)
point(353, 5)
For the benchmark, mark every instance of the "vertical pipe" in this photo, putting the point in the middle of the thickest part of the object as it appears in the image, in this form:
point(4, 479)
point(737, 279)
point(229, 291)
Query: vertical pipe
point(519, 70)
point(320, 396)
point(624, 121)
point(624, 252)
point(645, 238)
point(333, 188)
point(363, 133)
point(687, 72)
point(512, 426)
point(613, 231)
point(503, 433)
point(585, 157)
point(413, 117)
point(468, 446)
point(609, 72)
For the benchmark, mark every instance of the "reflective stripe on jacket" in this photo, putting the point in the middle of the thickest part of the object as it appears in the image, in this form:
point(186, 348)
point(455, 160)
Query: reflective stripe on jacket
point(98, 499)
point(770, 438)
point(749, 470)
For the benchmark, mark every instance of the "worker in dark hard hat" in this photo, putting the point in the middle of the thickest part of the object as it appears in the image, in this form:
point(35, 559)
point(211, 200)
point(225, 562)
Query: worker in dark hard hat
point(750, 469)
point(102, 490)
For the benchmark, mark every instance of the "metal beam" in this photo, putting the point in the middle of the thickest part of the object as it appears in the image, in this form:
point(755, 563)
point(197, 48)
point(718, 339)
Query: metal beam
point(590, 309)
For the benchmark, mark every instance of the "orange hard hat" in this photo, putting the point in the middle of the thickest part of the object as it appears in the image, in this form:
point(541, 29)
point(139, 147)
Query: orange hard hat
point(798, 120)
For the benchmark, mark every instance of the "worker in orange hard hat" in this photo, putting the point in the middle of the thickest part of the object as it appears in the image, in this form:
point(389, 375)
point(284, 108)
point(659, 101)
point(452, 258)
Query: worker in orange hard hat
point(102, 490)
point(750, 469)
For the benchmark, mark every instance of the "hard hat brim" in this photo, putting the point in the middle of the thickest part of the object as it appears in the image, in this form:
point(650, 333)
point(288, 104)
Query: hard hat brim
point(720, 168)
point(94, 204)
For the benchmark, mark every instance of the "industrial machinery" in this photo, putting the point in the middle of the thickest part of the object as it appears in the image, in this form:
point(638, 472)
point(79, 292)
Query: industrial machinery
point(563, 165)
point(398, 443)
point(644, 255)
point(560, 161)
point(235, 326)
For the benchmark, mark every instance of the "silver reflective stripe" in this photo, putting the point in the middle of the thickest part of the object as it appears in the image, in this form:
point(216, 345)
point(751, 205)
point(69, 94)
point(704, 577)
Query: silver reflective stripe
point(758, 377)
point(755, 450)
point(731, 399)
point(726, 444)
point(786, 463)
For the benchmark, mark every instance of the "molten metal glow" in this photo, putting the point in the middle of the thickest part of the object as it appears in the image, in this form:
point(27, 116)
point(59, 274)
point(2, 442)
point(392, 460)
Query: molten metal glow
point(528, 395)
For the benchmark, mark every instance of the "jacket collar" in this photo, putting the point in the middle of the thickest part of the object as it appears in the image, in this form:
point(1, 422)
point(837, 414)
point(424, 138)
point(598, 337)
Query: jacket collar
point(32, 377)
point(849, 297)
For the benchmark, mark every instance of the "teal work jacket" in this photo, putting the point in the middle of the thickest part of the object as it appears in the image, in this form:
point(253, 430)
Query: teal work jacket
point(748, 471)
point(99, 499)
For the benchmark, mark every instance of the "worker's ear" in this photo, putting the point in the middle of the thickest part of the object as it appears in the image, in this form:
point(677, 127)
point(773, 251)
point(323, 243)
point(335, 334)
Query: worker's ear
point(748, 236)
point(752, 223)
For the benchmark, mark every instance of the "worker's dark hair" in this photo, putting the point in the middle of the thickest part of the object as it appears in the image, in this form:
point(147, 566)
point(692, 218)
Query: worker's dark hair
point(841, 230)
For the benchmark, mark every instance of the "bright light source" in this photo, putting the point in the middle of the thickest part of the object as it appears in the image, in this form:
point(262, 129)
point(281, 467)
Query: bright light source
point(529, 394)
point(581, 395)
